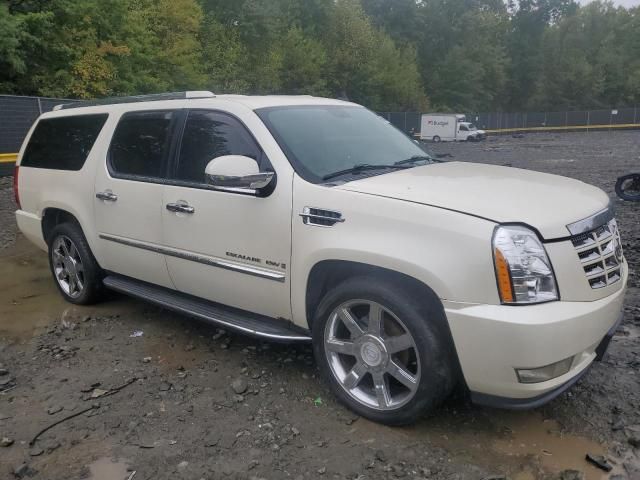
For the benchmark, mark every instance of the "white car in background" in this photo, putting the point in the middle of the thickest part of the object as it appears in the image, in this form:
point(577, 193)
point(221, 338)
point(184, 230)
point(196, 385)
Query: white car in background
point(301, 219)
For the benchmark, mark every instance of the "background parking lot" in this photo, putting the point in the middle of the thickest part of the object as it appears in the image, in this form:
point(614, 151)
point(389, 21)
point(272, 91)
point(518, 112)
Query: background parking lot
point(173, 398)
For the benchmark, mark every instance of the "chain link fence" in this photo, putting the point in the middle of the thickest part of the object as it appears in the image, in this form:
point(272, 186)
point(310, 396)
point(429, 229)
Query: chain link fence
point(18, 113)
point(500, 122)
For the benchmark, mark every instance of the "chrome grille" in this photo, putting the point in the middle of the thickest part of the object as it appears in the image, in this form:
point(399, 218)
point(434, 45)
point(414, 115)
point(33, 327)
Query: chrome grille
point(600, 252)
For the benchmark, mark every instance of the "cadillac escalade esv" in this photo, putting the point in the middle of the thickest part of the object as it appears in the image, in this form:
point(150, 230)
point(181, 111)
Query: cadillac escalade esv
point(302, 219)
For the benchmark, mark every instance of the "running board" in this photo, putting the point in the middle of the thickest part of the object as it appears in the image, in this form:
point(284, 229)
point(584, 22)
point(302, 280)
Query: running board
point(277, 330)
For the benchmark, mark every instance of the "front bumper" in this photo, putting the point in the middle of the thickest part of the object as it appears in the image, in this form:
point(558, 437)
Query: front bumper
point(539, 400)
point(494, 340)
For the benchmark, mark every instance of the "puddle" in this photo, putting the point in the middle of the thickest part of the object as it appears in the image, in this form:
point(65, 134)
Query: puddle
point(521, 445)
point(29, 300)
point(108, 469)
point(529, 435)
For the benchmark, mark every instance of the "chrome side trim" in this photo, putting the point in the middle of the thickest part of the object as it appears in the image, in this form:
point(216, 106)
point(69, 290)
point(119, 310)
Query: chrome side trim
point(590, 223)
point(198, 258)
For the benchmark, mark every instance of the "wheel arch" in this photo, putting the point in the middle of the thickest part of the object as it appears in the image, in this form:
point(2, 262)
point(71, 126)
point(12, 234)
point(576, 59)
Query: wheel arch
point(327, 273)
point(55, 215)
point(52, 216)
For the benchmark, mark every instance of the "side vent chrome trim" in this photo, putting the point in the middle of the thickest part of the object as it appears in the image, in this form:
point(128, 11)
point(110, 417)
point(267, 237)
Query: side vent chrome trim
point(320, 217)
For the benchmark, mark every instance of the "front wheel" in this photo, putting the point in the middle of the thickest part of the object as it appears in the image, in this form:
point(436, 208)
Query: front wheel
point(76, 272)
point(628, 187)
point(383, 351)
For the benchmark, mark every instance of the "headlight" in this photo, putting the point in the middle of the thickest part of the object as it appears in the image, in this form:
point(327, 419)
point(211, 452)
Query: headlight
point(523, 269)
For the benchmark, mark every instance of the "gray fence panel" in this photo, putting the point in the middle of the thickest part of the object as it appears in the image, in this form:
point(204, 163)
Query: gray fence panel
point(556, 119)
point(399, 120)
point(599, 117)
point(624, 116)
point(17, 114)
point(413, 122)
point(577, 119)
point(535, 119)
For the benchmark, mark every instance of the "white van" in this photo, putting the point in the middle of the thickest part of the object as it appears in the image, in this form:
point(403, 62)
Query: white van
point(443, 127)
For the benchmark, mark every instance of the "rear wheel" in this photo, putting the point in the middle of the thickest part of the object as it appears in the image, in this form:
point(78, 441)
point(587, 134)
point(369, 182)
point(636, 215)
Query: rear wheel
point(436, 139)
point(75, 270)
point(383, 352)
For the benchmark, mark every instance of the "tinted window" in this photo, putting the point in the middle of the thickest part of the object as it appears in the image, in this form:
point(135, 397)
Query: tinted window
point(208, 135)
point(63, 143)
point(140, 144)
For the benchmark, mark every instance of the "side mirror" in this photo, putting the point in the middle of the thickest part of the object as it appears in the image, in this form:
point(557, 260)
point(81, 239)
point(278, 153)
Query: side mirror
point(237, 173)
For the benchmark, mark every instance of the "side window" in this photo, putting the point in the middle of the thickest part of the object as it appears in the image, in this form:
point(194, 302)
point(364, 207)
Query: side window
point(140, 144)
point(208, 135)
point(63, 143)
point(463, 128)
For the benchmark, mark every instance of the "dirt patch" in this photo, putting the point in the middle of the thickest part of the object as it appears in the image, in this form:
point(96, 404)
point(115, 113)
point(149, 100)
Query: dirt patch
point(179, 417)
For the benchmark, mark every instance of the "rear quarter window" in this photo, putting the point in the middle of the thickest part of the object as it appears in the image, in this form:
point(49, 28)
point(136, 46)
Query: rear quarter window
point(63, 143)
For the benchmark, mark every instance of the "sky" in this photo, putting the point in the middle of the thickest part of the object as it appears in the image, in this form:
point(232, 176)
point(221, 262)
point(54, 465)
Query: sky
point(622, 3)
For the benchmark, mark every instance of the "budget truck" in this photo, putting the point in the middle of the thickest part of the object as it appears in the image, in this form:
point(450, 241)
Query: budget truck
point(449, 127)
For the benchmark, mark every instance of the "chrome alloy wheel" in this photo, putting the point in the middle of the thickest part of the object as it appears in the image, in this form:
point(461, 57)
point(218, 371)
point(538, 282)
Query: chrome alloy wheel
point(67, 266)
point(372, 355)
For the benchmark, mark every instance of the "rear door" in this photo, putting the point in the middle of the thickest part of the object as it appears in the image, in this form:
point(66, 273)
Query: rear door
point(128, 195)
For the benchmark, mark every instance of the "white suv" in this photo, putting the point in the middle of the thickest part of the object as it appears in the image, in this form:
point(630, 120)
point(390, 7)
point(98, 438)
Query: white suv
point(303, 219)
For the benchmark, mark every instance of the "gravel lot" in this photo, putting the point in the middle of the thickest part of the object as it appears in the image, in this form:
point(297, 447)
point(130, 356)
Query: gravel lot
point(197, 402)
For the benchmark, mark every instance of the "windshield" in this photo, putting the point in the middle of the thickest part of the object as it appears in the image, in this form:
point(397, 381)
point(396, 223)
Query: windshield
point(472, 126)
point(324, 139)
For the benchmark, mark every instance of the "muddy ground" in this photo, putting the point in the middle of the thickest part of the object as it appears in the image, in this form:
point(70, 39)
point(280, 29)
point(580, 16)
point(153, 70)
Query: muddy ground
point(177, 415)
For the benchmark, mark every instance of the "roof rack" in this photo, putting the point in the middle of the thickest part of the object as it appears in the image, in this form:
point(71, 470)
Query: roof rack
point(154, 97)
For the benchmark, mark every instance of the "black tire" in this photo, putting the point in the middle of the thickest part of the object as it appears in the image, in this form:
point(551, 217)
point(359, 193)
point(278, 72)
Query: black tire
point(437, 139)
point(425, 320)
point(92, 290)
point(633, 179)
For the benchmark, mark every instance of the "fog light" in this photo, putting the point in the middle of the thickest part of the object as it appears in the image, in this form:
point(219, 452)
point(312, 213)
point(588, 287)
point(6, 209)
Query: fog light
point(542, 374)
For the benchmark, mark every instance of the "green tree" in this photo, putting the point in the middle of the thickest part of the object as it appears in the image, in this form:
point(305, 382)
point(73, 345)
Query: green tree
point(302, 65)
point(366, 66)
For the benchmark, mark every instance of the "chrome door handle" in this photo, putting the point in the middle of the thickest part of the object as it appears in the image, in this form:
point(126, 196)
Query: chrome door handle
point(107, 196)
point(180, 208)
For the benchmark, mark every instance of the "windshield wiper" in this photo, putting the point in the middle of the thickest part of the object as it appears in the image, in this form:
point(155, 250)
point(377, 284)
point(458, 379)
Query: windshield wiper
point(361, 167)
point(416, 159)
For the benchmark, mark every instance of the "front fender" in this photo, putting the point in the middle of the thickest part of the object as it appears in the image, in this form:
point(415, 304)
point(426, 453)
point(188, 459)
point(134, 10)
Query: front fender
point(448, 251)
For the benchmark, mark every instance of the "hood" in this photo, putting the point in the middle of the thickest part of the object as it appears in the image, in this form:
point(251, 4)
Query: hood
point(500, 194)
